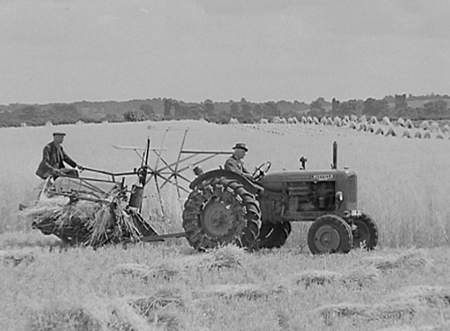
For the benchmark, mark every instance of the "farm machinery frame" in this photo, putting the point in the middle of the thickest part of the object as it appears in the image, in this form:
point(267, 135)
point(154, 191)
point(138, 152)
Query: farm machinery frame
point(224, 207)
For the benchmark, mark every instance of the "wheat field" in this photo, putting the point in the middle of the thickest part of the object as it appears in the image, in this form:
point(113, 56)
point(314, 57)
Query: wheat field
point(403, 285)
point(403, 183)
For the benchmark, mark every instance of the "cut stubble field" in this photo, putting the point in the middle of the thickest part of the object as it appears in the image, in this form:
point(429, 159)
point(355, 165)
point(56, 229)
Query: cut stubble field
point(402, 183)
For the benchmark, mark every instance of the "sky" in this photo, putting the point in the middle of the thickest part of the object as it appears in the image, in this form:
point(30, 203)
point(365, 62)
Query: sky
point(193, 50)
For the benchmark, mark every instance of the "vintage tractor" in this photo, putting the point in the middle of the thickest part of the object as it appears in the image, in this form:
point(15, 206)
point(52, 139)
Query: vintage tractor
point(222, 207)
point(225, 207)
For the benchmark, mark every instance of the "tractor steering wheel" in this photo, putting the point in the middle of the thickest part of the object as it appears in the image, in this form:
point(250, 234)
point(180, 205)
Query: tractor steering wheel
point(261, 171)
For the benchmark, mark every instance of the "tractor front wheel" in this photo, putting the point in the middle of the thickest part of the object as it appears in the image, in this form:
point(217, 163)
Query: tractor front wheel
point(221, 211)
point(365, 233)
point(330, 234)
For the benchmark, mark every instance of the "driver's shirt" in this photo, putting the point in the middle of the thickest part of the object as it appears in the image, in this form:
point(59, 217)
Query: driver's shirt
point(235, 165)
point(53, 158)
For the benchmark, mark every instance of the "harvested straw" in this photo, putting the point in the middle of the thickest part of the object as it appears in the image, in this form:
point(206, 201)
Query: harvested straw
point(379, 131)
point(245, 291)
point(124, 317)
point(362, 276)
point(385, 311)
point(391, 132)
point(411, 259)
point(160, 299)
point(16, 257)
point(229, 256)
point(75, 318)
point(318, 277)
point(404, 305)
point(111, 224)
point(424, 295)
point(406, 133)
point(160, 309)
point(399, 328)
point(443, 327)
point(88, 223)
point(164, 271)
point(133, 269)
point(139, 314)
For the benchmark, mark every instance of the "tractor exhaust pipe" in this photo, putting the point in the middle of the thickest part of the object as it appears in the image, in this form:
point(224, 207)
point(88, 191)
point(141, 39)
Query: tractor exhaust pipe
point(334, 164)
point(302, 161)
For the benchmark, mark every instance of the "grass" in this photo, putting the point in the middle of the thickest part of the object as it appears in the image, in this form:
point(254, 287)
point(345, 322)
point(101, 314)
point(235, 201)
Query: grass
point(164, 287)
point(403, 285)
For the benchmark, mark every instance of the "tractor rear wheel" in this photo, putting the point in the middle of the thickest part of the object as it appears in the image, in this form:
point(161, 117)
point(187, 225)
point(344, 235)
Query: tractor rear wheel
point(366, 233)
point(330, 234)
point(274, 235)
point(221, 211)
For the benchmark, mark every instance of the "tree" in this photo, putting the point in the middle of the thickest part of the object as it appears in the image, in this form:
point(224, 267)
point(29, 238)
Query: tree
point(270, 110)
point(210, 112)
point(167, 109)
point(134, 115)
point(315, 112)
point(257, 110)
point(373, 107)
point(180, 112)
point(148, 111)
point(435, 107)
point(111, 118)
point(400, 102)
point(223, 117)
point(247, 113)
point(335, 107)
point(407, 112)
point(349, 107)
point(290, 113)
point(27, 113)
point(318, 104)
point(194, 112)
point(64, 113)
point(234, 110)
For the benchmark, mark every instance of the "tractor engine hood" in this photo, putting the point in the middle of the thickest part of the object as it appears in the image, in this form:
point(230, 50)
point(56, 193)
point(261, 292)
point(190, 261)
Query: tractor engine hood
point(275, 181)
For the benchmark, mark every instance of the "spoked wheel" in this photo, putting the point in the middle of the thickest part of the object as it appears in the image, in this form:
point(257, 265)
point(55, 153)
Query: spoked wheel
point(274, 235)
point(330, 234)
point(365, 233)
point(221, 211)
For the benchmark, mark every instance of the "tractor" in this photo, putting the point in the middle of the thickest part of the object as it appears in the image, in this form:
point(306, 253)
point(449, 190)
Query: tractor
point(225, 207)
point(222, 207)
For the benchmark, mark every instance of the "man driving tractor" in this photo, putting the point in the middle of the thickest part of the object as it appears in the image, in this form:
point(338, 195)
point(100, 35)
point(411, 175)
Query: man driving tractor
point(234, 162)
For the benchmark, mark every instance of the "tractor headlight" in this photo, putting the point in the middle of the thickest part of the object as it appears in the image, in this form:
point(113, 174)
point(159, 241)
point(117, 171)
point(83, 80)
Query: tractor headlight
point(339, 196)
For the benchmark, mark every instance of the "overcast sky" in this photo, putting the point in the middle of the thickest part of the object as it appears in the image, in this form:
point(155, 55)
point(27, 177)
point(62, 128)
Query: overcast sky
point(191, 50)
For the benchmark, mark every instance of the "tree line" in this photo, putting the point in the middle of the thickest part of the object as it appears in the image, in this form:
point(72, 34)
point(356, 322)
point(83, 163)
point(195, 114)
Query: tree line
point(413, 107)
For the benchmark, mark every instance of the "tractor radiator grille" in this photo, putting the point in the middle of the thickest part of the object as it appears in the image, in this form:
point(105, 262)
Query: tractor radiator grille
point(352, 188)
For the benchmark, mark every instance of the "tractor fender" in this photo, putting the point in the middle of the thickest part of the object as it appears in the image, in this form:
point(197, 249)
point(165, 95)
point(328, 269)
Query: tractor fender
point(249, 186)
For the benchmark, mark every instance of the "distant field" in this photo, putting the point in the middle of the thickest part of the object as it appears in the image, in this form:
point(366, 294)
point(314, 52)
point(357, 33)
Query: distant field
point(401, 286)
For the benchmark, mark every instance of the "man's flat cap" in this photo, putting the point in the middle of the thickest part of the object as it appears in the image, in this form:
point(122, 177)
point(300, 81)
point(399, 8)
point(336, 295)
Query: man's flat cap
point(59, 134)
point(241, 146)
